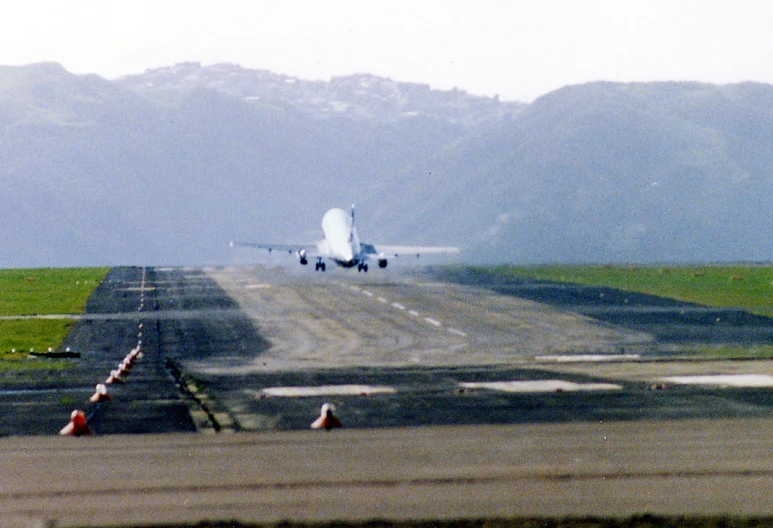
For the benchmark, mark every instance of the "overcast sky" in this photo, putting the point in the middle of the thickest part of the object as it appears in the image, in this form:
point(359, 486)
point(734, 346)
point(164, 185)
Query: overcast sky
point(517, 49)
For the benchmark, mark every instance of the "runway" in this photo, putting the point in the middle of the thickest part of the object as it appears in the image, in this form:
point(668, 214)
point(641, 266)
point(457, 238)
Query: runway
point(459, 399)
point(348, 319)
point(610, 469)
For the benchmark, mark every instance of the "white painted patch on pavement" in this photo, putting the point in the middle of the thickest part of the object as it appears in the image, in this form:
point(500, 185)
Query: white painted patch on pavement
point(540, 386)
point(398, 306)
point(257, 286)
point(383, 300)
point(368, 293)
point(325, 390)
point(577, 358)
point(413, 313)
point(431, 321)
point(724, 380)
point(456, 332)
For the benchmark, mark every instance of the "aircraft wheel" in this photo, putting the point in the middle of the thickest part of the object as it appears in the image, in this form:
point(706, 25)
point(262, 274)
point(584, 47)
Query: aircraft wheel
point(365, 268)
point(322, 266)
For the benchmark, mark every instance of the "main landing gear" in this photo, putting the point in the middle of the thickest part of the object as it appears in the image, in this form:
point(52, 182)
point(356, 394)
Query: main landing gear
point(319, 266)
point(362, 267)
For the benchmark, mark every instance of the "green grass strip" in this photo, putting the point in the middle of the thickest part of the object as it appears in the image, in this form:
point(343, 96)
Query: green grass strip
point(745, 287)
point(47, 290)
point(44, 291)
point(25, 335)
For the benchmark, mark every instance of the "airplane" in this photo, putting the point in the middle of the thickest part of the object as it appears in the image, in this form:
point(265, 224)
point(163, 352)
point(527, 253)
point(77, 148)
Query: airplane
point(342, 245)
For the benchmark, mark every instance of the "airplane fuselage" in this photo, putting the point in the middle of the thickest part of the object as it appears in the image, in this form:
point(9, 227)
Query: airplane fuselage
point(341, 238)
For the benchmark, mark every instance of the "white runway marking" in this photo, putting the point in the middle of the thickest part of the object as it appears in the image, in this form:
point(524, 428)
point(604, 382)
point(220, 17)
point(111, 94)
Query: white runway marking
point(541, 386)
point(325, 390)
point(402, 307)
point(257, 286)
point(725, 380)
point(578, 358)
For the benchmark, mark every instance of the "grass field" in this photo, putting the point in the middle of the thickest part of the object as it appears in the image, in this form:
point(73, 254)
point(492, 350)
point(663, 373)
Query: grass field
point(30, 292)
point(745, 287)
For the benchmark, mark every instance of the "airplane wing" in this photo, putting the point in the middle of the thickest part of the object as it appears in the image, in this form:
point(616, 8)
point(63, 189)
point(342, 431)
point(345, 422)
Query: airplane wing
point(395, 251)
point(309, 249)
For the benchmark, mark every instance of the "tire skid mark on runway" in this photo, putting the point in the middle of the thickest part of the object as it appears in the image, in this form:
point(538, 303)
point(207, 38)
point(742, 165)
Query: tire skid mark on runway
point(466, 480)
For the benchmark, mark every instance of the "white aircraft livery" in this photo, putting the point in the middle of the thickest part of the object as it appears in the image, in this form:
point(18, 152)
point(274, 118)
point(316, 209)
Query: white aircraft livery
point(342, 245)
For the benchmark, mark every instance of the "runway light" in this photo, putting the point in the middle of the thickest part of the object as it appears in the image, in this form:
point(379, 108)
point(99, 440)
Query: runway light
point(327, 420)
point(77, 425)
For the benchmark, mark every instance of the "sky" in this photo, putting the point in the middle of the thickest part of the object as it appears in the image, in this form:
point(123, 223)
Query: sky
point(518, 50)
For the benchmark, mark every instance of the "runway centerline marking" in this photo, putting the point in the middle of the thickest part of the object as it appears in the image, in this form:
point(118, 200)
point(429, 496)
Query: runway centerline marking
point(402, 307)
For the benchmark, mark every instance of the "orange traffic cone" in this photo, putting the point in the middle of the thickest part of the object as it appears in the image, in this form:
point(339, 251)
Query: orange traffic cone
point(77, 425)
point(101, 394)
point(327, 420)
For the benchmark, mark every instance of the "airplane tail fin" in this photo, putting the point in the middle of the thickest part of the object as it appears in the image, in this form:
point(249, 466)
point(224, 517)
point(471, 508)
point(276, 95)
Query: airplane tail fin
point(351, 230)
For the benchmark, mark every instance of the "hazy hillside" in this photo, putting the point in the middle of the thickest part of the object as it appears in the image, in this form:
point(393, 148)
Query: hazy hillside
point(168, 166)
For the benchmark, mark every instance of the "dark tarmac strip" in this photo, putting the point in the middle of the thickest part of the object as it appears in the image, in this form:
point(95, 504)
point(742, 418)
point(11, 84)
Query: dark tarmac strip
point(690, 467)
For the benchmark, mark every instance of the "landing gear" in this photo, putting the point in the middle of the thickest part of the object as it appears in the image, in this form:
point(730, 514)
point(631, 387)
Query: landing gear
point(319, 266)
point(362, 267)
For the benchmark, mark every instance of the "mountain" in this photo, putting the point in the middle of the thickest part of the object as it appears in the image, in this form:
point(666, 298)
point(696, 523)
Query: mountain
point(357, 97)
point(167, 166)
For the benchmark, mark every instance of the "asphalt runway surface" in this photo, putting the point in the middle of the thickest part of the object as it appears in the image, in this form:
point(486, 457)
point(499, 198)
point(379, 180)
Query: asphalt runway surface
point(402, 355)
point(678, 468)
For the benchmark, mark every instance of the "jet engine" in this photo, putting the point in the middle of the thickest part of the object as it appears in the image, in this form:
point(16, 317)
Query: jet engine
point(382, 263)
